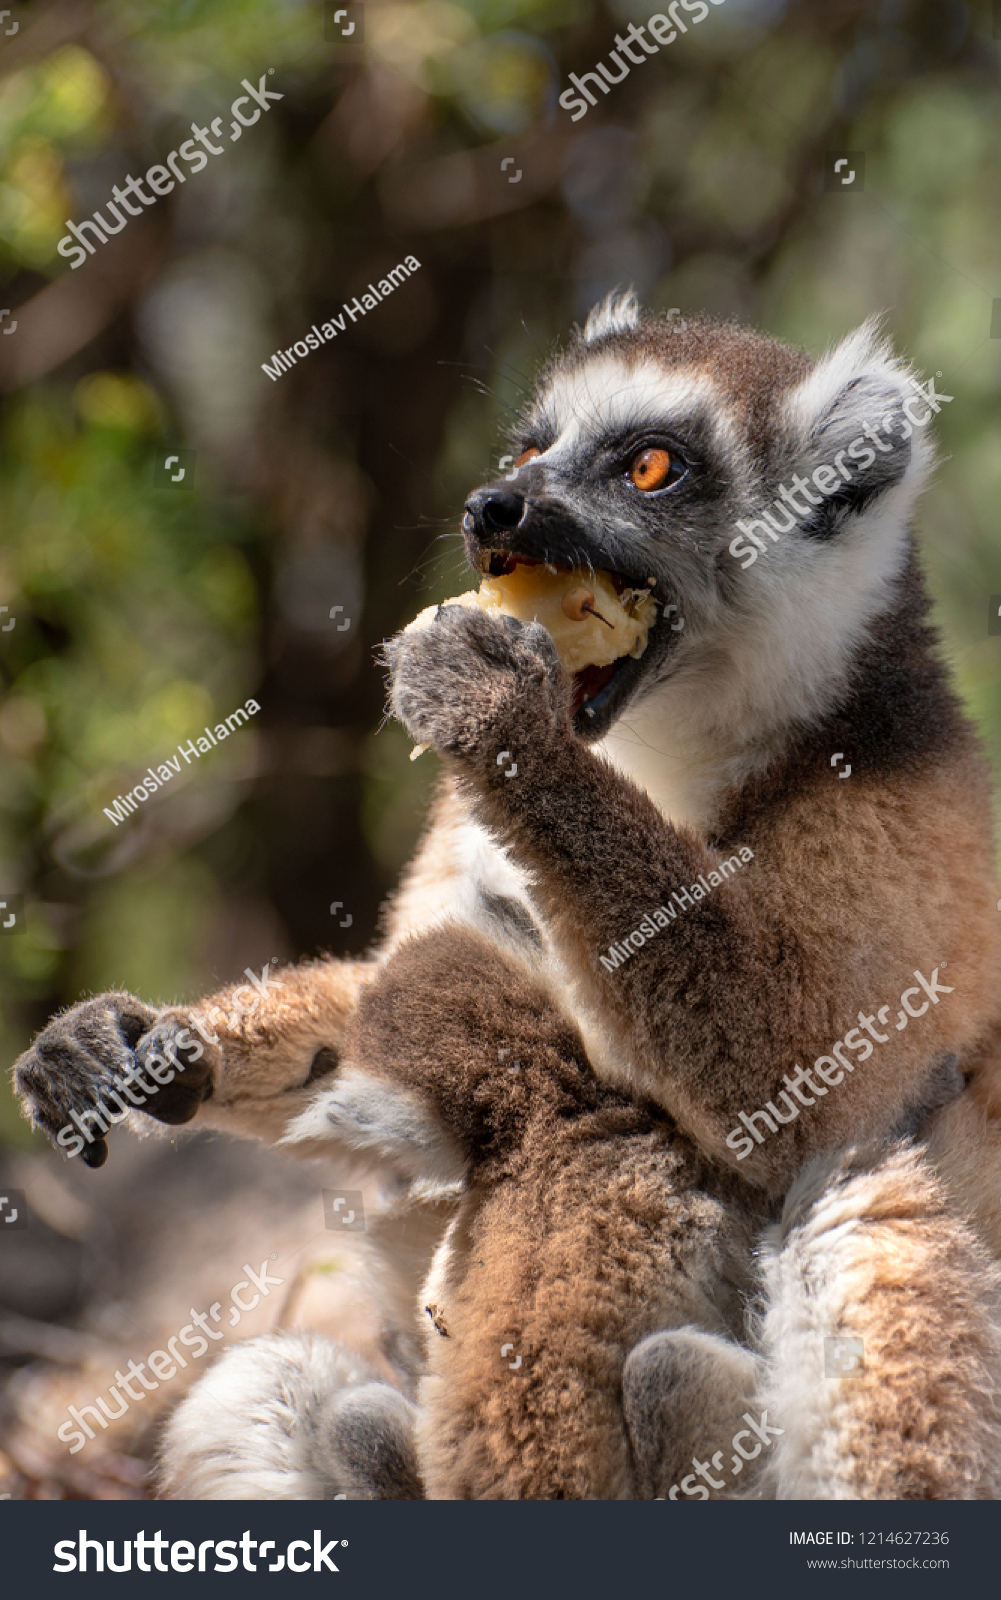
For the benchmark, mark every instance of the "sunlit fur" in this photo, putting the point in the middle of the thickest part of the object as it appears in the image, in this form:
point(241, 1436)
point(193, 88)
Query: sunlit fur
point(820, 646)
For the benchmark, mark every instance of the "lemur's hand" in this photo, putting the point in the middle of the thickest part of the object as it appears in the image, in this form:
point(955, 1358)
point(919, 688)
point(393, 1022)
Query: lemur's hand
point(172, 1049)
point(475, 686)
point(82, 1058)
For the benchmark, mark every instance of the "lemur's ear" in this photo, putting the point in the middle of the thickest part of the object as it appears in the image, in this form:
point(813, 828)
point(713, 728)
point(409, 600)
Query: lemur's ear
point(857, 430)
point(617, 313)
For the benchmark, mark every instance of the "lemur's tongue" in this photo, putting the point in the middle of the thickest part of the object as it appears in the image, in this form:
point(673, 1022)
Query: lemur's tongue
point(589, 682)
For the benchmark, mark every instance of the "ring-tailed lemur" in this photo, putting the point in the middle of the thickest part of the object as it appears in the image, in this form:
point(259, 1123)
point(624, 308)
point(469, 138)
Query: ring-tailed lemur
point(719, 736)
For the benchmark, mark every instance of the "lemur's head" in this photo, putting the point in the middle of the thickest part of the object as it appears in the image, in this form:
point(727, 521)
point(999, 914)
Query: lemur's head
point(763, 492)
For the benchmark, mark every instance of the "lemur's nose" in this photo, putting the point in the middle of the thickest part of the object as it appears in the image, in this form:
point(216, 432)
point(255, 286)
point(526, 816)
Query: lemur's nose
point(493, 510)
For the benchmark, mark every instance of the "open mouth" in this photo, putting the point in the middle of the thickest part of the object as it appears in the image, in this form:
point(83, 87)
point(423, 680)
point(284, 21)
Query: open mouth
point(604, 599)
point(601, 694)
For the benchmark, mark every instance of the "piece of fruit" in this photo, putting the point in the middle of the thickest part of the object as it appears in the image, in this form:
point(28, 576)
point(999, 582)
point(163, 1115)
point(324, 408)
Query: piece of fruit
point(593, 624)
point(595, 620)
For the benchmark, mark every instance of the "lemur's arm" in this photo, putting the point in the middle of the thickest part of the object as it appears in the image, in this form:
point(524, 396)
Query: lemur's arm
point(245, 1059)
point(743, 984)
point(249, 1055)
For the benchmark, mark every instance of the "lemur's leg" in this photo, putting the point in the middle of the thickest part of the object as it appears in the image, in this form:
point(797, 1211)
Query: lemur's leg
point(290, 1417)
point(964, 1142)
point(585, 1225)
point(883, 1333)
point(245, 1059)
point(711, 1008)
point(684, 1394)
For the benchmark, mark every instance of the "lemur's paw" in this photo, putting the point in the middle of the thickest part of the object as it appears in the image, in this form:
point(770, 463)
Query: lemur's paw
point(76, 1061)
point(291, 1416)
point(472, 684)
point(682, 1390)
point(180, 1066)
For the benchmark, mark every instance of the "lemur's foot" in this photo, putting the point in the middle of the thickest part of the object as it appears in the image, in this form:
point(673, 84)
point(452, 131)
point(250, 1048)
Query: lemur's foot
point(82, 1070)
point(478, 686)
point(684, 1394)
point(290, 1416)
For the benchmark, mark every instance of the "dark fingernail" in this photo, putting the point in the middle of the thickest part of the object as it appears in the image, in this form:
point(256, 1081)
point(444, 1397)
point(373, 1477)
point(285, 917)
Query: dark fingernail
point(179, 1108)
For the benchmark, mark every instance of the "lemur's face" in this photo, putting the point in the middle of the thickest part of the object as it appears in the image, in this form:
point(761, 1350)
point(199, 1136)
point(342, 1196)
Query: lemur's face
point(643, 447)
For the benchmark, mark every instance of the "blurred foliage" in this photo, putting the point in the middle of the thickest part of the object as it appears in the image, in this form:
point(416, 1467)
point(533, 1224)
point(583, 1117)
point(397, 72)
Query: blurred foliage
point(143, 612)
point(49, 111)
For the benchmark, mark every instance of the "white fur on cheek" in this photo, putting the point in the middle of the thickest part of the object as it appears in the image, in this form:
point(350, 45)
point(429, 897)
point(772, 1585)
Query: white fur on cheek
point(772, 667)
point(750, 674)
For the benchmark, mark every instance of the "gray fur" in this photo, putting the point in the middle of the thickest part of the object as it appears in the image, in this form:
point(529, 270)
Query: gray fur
point(291, 1417)
point(684, 1394)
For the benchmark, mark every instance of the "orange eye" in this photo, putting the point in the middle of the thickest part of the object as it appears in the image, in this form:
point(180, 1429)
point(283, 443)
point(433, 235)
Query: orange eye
point(527, 455)
point(650, 469)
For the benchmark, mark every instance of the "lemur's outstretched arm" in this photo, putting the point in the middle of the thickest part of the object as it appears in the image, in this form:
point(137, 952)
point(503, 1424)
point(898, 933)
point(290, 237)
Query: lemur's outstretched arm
point(761, 969)
point(245, 1059)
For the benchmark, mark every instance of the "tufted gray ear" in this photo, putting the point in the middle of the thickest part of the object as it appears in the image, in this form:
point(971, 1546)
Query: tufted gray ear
point(860, 449)
point(855, 428)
